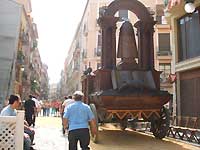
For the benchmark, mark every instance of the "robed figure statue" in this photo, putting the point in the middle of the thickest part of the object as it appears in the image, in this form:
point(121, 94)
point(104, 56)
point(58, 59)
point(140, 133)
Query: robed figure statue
point(127, 49)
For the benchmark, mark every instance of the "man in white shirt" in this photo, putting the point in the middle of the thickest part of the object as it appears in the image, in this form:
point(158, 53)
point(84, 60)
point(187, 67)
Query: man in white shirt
point(66, 103)
point(38, 108)
point(68, 100)
point(37, 102)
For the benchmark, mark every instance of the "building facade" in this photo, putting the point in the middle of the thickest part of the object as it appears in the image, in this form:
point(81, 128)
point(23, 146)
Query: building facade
point(9, 34)
point(18, 49)
point(44, 90)
point(186, 45)
point(53, 91)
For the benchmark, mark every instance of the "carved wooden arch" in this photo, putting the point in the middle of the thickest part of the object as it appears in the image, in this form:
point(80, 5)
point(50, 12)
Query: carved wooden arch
point(133, 5)
point(144, 31)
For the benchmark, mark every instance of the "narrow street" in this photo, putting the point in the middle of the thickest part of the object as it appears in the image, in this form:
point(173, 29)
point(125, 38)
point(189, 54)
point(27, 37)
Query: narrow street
point(49, 137)
point(48, 134)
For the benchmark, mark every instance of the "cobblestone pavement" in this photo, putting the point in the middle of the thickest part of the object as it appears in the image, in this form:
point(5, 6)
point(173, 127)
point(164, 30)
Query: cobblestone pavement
point(49, 137)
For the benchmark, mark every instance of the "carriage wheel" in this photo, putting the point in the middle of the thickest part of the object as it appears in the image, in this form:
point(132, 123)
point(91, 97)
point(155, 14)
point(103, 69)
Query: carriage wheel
point(160, 126)
point(94, 137)
point(123, 125)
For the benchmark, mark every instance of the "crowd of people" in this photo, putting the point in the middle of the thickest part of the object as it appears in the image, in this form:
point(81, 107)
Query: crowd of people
point(76, 117)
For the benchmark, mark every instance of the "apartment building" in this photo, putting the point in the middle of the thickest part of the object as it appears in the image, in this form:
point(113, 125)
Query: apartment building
point(53, 91)
point(44, 91)
point(18, 49)
point(9, 34)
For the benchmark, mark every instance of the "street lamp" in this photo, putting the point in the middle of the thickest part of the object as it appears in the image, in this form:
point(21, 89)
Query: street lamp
point(189, 6)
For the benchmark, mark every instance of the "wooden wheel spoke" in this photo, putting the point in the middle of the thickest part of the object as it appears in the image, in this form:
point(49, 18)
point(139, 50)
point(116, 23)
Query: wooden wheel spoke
point(161, 126)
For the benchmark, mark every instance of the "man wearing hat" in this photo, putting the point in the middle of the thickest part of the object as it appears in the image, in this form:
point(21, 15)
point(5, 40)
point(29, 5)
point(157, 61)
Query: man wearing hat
point(77, 117)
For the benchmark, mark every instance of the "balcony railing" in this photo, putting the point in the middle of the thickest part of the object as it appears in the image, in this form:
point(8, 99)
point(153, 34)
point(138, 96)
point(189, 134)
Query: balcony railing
point(164, 53)
point(76, 68)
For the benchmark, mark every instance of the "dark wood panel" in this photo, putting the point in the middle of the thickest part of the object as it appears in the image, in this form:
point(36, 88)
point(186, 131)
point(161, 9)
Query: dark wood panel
point(190, 74)
point(190, 96)
point(102, 80)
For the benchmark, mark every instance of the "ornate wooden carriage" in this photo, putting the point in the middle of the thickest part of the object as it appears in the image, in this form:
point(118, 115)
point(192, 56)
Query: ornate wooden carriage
point(131, 88)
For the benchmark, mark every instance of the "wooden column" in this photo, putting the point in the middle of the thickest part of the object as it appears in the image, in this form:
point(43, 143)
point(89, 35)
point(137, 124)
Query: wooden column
point(145, 44)
point(108, 25)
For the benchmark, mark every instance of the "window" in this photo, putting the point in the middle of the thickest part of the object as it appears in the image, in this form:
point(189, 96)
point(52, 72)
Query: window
point(163, 43)
point(85, 67)
point(99, 40)
point(85, 29)
point(84, 53)
point(159, 13)
point(77, 44)
point(97, 51)
point(123, 15)
point(76, 65)
point(189, 36)
point(98, 65)
point(166, 70)
point(159, 19)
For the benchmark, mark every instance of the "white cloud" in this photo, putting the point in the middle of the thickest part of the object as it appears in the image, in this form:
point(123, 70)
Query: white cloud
point(57, 21)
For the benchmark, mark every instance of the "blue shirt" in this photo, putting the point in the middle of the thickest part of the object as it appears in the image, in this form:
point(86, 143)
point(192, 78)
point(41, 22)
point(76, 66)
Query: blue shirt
point(78, 114)
point(8, 111)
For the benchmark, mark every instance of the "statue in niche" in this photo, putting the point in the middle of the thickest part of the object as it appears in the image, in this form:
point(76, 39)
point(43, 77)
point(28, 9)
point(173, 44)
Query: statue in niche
point(127, 49)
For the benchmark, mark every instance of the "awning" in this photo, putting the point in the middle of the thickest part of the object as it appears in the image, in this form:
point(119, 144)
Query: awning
point(172, 3)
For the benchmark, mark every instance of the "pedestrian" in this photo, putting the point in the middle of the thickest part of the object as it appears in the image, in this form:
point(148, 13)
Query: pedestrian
point(44, 108)
point(30, 110)
point(37, 109)
point(78, 116)
point(10, 110)
point(68, 100)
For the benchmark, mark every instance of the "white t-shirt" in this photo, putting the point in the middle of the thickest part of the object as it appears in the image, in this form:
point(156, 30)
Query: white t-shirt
point(37, 103)
point(67, 102)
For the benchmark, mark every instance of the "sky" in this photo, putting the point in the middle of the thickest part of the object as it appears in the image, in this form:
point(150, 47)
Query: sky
point(57, 21)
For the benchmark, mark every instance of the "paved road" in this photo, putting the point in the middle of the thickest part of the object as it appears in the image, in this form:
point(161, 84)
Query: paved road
point(49, 137)
point(48, 134)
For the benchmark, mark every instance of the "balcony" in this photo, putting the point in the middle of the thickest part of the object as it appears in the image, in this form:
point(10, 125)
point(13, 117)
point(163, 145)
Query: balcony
point(76, 68)
point(20, 57)
point(164, 53)
point(24, 38)
point(34, 45)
